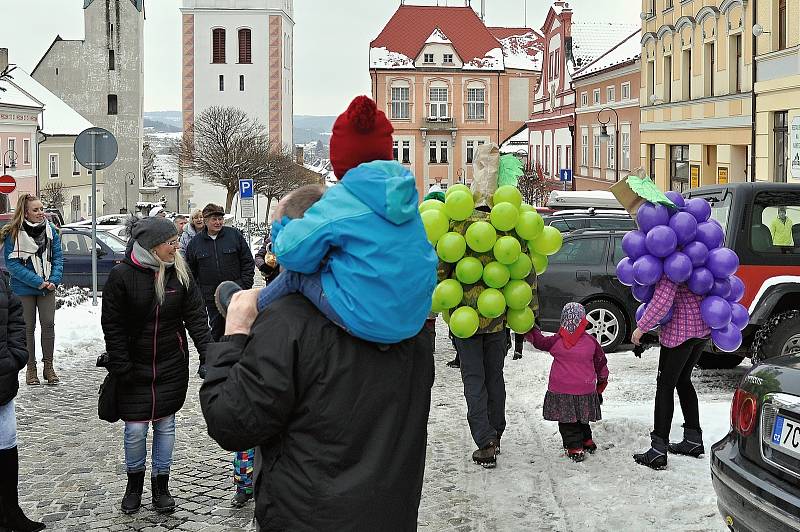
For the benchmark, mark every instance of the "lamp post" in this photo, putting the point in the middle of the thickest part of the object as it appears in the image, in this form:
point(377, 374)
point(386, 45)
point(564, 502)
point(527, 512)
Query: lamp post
point(605, 137)
point(130, 178)
point(12, 165)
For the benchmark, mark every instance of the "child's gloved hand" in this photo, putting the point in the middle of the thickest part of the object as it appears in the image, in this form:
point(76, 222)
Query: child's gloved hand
point(601, 386)
point(277, 227)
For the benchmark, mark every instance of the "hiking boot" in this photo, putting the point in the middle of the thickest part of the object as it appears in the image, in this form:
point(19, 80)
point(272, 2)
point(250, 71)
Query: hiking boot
point(132, 500)
point(656, 456)
point(223, 295)
point(589, 446)
point(49, 373)
point(517, 355)
point(240, 499)
point(455, 363)
point(691, 445)
point(162, 500)
point(31, 379)
point(576, 455)
point(486, 456)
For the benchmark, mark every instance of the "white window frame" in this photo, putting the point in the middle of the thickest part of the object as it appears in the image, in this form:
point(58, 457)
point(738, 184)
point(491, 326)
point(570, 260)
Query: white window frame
point(53, 163)
point(596, 96)
point(396, 150)
point(585, 146)
point(611, 93)
point(476, 103)
point(611, 148)
point(427, 56)
point(626, 90)
point(447, 59)
point(433, 153)
point(584, 99)
point(596, 148)
point(546, 161)
point(438, 98)
point(26, 151)
point(400, 107)
point(405, 153)
point(76, 169)
point(625, 140)
point(444, 152)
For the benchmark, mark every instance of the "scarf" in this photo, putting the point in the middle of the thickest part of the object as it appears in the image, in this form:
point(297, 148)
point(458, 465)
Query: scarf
point(144, 257)
point(35, 243)
point(573, 323)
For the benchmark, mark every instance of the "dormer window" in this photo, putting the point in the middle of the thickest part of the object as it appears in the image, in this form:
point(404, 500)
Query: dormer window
point(427, 58)
point(448, 59)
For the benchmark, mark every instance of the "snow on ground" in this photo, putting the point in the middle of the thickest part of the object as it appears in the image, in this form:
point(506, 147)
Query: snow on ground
point(79, 336)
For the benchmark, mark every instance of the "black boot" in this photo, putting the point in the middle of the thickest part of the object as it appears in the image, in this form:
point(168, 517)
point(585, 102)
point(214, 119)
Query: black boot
point(240, 499)
point(162, 500)
point(692, 444)
point(223, 295)
point(656, 456)
point(132, 500)
point(13, 517)
point(486, 456)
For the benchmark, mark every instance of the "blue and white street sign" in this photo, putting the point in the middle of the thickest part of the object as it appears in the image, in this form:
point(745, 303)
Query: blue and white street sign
point(245, 188)
point(565, 174)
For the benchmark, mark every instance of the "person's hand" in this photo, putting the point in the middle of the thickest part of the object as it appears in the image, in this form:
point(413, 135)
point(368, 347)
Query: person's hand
point(201, 371)
point(636, 337)
point(43, 285)
point(51, 286)
point(601, 387)
point(242, 312)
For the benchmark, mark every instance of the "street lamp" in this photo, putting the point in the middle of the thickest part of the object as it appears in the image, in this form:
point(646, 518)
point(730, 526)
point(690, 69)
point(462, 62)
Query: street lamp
point(130, 178)
point(12, 165)
point(605, 137)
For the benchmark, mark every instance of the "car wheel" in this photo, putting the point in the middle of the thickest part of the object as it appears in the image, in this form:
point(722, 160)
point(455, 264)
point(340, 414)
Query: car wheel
point(606, 323)
point(719, 361)
point(784, 337)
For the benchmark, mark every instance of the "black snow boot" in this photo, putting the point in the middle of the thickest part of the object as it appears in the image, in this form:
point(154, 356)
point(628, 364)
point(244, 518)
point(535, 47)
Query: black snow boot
point(162, 500)
point(224, 294)
point(486, 456)
point(132, 500)
point(656, 456)
point(13, 518)
point(691, 445)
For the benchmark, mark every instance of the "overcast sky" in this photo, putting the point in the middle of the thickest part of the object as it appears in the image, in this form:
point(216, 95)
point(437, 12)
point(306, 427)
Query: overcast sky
point(331, 40)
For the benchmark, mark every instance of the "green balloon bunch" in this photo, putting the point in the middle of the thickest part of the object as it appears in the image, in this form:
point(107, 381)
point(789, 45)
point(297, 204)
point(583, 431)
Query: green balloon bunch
point(513, 240)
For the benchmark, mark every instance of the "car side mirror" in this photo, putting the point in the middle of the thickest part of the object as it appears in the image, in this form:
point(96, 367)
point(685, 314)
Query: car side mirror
point(101, 252)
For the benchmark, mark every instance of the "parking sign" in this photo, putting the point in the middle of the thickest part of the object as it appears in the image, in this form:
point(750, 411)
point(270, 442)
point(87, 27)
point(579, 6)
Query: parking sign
point(565, 174)
point(245, 188)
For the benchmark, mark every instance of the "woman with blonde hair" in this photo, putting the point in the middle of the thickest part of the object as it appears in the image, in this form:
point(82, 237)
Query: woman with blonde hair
point(195, 225)
point(32, 248)
point(149, 302)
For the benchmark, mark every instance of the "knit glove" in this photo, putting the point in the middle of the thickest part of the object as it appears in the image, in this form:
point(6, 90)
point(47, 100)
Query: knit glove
point(201, 371)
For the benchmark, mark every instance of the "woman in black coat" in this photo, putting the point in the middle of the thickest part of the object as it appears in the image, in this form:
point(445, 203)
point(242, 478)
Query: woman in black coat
point(13, 357)
point(149, 302)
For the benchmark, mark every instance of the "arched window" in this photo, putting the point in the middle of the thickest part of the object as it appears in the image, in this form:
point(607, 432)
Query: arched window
point(218, 46)
point(245, 53)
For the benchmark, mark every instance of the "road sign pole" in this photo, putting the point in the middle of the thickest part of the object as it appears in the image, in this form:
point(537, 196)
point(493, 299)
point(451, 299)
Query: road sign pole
point(94, 224)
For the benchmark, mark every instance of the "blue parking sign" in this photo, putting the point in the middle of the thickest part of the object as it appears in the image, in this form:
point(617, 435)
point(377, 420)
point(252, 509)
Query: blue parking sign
point(245, 188)
point(565, 174)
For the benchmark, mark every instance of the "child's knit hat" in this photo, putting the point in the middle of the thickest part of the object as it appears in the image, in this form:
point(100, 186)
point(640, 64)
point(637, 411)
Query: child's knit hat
point(360, 135)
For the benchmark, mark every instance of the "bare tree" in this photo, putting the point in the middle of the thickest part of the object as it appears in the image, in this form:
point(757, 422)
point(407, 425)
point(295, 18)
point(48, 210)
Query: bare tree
point(52, 195)
point(534, 187)
point(277, 174)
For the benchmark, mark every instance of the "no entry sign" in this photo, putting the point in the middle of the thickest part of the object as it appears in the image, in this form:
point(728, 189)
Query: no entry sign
point(7, 184)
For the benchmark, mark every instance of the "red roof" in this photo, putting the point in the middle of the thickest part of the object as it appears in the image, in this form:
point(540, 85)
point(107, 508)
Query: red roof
point(410, 26)
point(505, 33)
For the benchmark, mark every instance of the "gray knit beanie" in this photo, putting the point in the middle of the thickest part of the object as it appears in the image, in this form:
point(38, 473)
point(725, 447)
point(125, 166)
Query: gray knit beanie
point(150, 232)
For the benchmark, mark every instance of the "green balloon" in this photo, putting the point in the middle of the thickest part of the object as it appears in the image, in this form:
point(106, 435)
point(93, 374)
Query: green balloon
point(508, 193)
point(459, 205)
point(549, 242)
point(436, 309)
point(530, 225)
point(431, 204)
point(539, 262)
point(456, 187)
point(447, 294)
point(464, 322)
point(491, 303)
point(481, 236)
point(495, 275)
point(504, 216)
point(451, 247)
point(522, 268)
point(518, 294)
point(469, 270)
point(436, 224)
point(526, 207)
point(520, 321)
point(446, 315)
point(507, 250)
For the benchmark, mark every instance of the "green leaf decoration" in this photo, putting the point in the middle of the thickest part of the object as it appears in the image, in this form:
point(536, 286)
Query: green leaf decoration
point(646, 189)
point(510, 170)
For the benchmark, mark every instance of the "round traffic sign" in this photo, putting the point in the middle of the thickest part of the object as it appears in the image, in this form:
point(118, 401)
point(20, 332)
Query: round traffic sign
point(7, 184)
point(96, 148)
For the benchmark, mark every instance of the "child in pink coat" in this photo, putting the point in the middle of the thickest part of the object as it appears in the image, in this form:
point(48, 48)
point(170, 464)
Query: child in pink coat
point(578, 376)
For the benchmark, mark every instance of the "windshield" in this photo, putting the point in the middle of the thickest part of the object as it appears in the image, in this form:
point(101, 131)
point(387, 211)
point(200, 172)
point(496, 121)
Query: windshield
point(720, 208)
point(116, 245)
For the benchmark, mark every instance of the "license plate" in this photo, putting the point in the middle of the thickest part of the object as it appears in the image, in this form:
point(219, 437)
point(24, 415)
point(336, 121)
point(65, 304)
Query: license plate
point(786, 434)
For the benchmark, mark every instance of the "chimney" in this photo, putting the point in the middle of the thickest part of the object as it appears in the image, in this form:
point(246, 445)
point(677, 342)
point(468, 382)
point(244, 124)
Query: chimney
point(3, 58)
point(298, 155)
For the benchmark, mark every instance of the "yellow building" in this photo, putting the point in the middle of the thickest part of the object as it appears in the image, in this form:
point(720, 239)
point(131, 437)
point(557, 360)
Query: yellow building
point(696, 91)
point(777, 91)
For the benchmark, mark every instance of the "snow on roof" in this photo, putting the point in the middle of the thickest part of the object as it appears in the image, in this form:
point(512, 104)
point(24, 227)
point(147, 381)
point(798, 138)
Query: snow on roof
point(493, 60)
point(521, 48)
point(517, 142)
point(630, 49)
point(11, 95)
point(438, 37)
point(592, 39)
point(383, 58)
point(58, 118)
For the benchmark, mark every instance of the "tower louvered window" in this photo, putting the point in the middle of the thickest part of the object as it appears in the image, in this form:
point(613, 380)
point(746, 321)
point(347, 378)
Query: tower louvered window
point(218, 46)
point(245, 55)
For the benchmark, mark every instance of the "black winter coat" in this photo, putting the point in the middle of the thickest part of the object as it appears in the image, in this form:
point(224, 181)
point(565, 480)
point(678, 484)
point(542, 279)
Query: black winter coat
point(13, 346)
point(146, 343)
point(341, 422)
point(226, 258)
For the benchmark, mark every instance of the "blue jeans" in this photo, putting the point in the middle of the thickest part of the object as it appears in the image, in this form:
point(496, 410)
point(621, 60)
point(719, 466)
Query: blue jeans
point(163, 445)
point(289, 282)
point(8, 426)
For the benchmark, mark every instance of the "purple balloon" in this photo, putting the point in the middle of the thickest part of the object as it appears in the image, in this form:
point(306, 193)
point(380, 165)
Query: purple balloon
point(740, 318)
point(697, 252)
point(676, 198)
point(699, 208)
point(722, 262)
point(710, 234)
point(668, 318)
point(625, 271)
point(643, 294)
point(661, 241)
point(722, 288)
point(649, 215)
point(678, 267)
point(648, 270)
point(685, 227)
point(701, 281)
point(633, 244)
point(640, 311)
point(716, 312)
point(728, 339)
point(737, 289)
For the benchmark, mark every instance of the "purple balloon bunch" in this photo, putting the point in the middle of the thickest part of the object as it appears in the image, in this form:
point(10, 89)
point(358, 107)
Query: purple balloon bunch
point(687, 246)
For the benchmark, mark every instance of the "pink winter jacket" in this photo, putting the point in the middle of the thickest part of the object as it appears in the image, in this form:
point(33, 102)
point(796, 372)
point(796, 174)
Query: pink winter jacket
point(576, 370)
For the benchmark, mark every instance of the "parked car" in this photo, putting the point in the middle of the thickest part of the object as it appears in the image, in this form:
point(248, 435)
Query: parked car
point(755, 468)
point(770, 271)
point(108, 219)
point(76, 245)
point(572, 220)
point(582, 199)
point(584, 270)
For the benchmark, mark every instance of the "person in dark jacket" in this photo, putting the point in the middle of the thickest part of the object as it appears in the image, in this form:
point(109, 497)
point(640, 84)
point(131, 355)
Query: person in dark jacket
point(149, 302)
point(218, 254)
point(266, 262)
point(340, 423)
point(13, 357)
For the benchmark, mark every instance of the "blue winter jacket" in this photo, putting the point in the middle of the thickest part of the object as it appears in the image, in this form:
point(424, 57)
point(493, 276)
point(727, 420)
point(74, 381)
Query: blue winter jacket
point(24, 279)
point(380, 270)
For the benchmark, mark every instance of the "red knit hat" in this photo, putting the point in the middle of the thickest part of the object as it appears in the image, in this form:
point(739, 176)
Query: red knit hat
point(360, 135)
